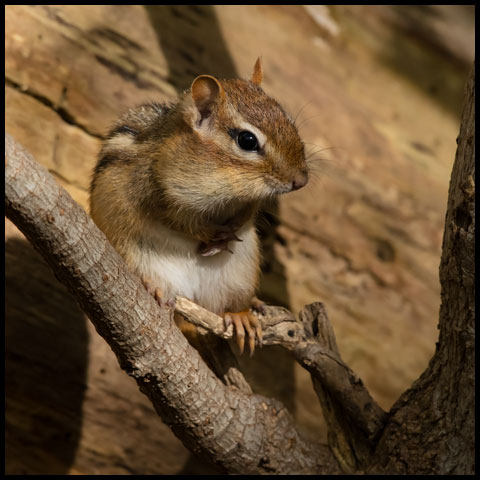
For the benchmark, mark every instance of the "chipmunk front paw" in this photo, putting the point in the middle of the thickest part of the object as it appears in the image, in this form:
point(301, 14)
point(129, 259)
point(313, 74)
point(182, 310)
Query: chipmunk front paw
point(258, 306)
point(219, 241)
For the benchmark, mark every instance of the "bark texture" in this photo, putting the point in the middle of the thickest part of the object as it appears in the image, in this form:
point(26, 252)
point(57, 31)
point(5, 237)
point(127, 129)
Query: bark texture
point(431, 429)
point(241, 433)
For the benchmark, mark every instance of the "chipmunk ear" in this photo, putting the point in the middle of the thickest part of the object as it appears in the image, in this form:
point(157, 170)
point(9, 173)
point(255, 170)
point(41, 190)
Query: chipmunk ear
point(257, 75)
point(206, 91)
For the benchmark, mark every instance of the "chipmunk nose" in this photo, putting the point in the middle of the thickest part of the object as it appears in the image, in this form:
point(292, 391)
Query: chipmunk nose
point(300, 180)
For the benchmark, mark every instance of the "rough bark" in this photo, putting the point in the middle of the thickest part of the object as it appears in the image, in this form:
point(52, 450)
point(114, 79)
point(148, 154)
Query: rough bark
point(242, 433)
point(354, 418)
point(431, 427)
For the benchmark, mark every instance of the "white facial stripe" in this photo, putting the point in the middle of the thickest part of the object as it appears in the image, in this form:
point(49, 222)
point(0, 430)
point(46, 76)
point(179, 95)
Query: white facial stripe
point(239, 123)
point(120, 140)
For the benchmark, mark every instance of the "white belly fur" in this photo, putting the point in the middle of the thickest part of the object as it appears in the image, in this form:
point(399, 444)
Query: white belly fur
point(221, 282)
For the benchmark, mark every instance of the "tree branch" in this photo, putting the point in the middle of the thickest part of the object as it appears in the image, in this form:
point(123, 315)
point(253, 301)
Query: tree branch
point(431, 429)
point(244, 433)
point(354, 418)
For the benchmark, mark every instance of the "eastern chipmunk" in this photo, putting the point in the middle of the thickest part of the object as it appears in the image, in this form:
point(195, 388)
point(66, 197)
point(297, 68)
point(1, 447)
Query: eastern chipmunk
point(177, 187)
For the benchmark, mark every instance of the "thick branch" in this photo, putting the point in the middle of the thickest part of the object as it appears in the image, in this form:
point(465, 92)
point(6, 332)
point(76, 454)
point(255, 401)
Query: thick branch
point(353, 417)
point(431, 429)
point(313, 343)
point(243, 433)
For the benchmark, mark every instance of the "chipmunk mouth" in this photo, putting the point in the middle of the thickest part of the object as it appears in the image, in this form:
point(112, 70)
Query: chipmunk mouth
point(279, 187)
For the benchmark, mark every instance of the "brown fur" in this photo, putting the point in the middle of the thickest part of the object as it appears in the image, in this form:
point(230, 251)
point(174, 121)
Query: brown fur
point(179, 165)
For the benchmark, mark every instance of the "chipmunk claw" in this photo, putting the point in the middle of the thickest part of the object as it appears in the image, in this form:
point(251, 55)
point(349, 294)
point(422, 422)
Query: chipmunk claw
point(258, 306)
point(156, 293)
point(218, 243)
point(245, 325)
point(212, 248)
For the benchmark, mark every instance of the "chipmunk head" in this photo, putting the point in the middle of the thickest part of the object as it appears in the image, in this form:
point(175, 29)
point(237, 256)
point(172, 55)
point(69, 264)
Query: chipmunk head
point(244, 144)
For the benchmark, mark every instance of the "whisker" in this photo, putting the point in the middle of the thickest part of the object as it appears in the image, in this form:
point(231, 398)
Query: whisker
point(301, 109)
point(300, 125)
point(313, 152)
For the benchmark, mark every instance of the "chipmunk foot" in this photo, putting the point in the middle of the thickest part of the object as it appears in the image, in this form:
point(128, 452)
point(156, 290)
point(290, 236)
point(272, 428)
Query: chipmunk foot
point(258, 306)
point(244, 321)
point(156, 293)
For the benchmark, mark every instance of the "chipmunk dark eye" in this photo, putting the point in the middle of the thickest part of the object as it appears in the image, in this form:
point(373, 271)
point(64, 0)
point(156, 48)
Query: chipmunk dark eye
point(247, 141)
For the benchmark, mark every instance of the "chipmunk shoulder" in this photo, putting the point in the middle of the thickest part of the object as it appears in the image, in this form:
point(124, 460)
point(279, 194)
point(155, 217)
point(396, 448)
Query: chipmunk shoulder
point(177, 187)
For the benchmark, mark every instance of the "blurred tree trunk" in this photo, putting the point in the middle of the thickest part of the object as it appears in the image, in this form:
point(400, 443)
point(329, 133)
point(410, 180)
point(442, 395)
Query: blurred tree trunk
point(54, 109)
point(430, 429)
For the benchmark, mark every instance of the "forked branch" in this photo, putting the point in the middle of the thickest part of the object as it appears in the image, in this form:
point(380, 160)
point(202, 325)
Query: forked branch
point(244, 433)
